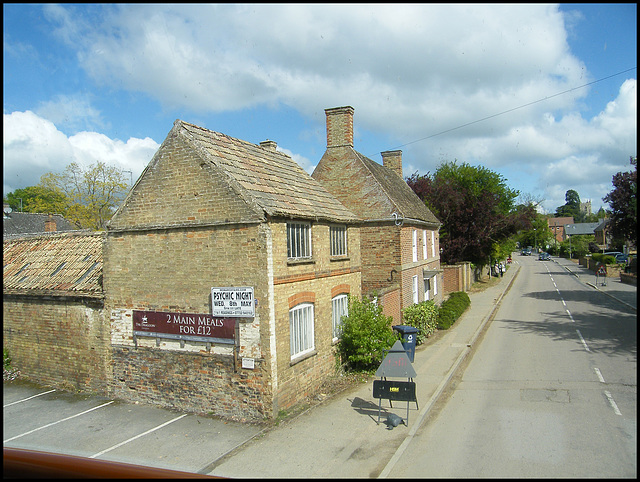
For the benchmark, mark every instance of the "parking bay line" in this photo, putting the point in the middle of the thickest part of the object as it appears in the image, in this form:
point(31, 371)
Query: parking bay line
point(137, 436)
point(28, 398)
point(59, 421)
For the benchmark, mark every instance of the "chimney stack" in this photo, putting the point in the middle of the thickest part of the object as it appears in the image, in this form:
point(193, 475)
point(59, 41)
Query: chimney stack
point(50, 225)
point(269, 145)
point(339, 127)
point(392, 160)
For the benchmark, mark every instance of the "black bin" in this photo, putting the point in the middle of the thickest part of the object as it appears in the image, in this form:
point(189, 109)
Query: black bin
point(409, 335)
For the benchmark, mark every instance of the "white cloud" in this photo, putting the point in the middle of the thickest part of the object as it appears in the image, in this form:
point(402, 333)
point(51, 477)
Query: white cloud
point(33, 146)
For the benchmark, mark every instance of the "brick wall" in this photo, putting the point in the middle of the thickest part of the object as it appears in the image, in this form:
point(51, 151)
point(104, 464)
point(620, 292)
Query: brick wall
point(458, 277)
point(61, 342)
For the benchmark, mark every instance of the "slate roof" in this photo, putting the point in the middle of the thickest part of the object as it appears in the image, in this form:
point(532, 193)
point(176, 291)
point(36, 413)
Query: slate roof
point(267, 178)
point(54, 264)
point(580, 228)
point(19, 224)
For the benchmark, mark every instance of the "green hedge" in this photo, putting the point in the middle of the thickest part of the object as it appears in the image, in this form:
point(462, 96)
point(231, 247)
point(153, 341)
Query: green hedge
point(452, 308)
point(424, 317)
point(601, 258)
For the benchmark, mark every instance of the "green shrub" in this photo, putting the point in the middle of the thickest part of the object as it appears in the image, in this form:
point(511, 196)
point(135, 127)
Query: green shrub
point(424, 317)
point(365, 334)
point(452, 308)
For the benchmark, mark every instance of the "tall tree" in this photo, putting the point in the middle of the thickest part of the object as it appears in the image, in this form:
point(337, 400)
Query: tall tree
point(571, 208)
point(476, 208)
point(93, 192)
point(623, 200)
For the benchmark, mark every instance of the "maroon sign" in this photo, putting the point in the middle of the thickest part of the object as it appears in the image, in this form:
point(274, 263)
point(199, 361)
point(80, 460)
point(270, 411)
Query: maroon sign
point(183, 324)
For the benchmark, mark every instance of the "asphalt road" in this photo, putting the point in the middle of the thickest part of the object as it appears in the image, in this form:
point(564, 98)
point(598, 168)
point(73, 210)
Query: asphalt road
point(550, 392)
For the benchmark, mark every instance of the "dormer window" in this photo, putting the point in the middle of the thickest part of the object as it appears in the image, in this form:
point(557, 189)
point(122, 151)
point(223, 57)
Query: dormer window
point(298, 240)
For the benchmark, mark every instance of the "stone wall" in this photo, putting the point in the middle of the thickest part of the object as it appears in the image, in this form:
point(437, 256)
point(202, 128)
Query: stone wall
point(58, 341)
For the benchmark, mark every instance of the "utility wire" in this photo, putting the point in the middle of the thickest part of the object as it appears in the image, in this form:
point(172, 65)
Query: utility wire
point(515, 108)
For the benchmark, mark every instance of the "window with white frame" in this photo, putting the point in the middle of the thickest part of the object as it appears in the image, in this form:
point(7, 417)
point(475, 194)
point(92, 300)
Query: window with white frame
point(414, 244)
point(414, 290)
point(424, 244)
point(338, 239)
point(298, 240)
point(435, 285)
point(339, 308)
point(301, 338)
point(427, 288)
point(433, 244)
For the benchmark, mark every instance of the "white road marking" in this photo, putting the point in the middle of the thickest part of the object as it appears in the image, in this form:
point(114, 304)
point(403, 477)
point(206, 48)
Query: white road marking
point(583, 342)
point(59, 421)
point(600, 377)
point(28, 398)
point(612, 403)
point(137, 436)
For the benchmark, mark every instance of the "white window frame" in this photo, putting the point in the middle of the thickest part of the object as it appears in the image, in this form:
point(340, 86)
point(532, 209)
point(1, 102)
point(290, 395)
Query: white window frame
point(414, 244)
point(301, 330)
point(435, 286)
point(433, 244)
point(427, 288)
point(339, 308)
point(414, 290)
point(299, 240)
point(424, 244)
point(338, 240)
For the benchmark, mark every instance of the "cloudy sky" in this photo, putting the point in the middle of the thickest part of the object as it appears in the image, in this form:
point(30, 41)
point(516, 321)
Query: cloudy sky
point(545, 95)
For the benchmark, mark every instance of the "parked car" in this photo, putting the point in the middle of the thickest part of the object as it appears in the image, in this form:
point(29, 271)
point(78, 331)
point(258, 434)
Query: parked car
point(544, 257)
point(620, 257)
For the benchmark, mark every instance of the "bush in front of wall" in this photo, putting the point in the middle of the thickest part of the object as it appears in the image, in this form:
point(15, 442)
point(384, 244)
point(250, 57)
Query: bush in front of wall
point(365, 333)
point(424, 317)
point(452, 308)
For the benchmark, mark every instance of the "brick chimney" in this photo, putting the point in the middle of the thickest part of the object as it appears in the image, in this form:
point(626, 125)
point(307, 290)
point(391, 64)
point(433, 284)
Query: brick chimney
point(339, 127)
point(50, 225)
point(269, 145)
point(392, 160)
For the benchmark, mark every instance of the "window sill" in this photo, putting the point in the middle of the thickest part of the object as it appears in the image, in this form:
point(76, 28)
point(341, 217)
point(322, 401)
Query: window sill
point(300, 358)
point(338, 258)
point(295, 262)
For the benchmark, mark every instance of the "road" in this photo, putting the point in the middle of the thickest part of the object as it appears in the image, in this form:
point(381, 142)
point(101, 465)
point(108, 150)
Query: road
point(550, 391)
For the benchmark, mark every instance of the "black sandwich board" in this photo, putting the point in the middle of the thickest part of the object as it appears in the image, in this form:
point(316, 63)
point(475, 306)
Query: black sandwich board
point(395, 364)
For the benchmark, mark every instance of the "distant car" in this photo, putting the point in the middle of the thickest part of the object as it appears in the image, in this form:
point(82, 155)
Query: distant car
point(526, 252)
point(544, 257)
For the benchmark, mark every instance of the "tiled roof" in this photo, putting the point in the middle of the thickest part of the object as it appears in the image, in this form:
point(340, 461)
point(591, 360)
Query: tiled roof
point(56, 264)
point(407, 202)
point(18, 224)
point(266, 177)
point(580, 228)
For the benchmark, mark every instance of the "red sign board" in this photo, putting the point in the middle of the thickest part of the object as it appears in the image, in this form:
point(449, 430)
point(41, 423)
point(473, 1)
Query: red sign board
point(183, 325)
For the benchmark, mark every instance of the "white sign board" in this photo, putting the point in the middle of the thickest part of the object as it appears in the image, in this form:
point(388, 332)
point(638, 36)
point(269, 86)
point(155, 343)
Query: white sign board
point(234, 302)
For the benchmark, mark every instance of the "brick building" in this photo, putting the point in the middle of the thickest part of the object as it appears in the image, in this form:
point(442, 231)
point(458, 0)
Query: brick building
point(557, 227)
point(52, 310)
point(399, 235)
point(211, 211)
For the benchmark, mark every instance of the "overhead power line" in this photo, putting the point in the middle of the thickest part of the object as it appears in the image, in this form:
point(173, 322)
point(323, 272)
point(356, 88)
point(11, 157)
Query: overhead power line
point(516, 108)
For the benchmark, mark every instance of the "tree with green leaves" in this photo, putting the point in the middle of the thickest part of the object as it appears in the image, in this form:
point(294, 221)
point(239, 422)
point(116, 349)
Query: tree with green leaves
point(93, 192)
point(38, 199)
point(476, 207)
point(623, 200)
point(571, 208)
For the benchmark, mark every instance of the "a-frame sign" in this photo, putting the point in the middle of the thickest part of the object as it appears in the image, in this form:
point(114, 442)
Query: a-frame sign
point(395, 364)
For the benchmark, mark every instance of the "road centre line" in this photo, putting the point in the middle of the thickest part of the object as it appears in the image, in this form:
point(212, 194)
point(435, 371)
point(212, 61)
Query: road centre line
point(600, 377)
point(137, 436)
point(612, 403)
point(59, 421)
point(586, 347)
point(28, 398)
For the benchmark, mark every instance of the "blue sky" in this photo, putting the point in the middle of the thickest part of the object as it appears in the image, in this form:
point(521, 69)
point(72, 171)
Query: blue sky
point(544, 95)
